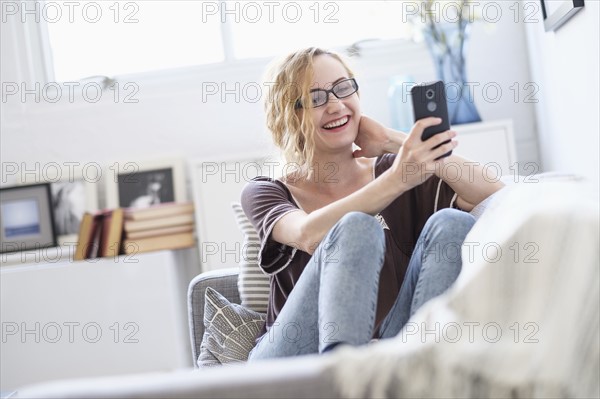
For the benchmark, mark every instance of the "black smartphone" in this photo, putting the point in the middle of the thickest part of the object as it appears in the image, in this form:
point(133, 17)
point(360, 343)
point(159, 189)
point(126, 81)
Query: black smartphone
point(429, 99)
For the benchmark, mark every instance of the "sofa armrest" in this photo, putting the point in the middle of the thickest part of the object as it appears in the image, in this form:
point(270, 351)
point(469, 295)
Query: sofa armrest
point(225, 282)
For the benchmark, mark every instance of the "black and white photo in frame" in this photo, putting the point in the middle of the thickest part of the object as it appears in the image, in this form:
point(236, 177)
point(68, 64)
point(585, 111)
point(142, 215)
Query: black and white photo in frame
point(143, 189)
point(140, 184)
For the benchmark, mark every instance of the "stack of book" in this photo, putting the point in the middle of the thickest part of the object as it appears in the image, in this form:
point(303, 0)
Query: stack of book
point(100, 234)
point(163, 226)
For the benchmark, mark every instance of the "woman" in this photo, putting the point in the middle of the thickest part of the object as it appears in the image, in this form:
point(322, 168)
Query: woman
point(353, 243)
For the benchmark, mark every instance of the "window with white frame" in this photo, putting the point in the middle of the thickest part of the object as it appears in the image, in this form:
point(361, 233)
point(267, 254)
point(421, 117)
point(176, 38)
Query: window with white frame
point(114, 38)
point(110, 38)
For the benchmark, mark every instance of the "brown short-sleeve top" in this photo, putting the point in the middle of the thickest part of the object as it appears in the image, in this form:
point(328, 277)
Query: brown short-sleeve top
point(266, 200)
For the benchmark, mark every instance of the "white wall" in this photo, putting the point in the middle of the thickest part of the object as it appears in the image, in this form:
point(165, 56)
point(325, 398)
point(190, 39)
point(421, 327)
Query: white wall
point(565, 64)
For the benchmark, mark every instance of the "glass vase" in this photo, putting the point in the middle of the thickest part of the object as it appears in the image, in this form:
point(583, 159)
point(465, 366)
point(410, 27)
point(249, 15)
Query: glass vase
point(401, 113)
point(447, 44)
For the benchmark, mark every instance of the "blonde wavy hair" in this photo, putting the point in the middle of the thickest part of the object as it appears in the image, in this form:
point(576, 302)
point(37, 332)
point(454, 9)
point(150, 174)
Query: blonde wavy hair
point(289, 80)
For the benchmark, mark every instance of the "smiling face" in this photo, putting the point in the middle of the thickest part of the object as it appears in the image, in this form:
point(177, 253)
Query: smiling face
point(336, 122)
point(303, 133)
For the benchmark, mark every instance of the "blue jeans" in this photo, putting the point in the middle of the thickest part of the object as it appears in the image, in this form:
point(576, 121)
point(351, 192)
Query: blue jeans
point(335, 298)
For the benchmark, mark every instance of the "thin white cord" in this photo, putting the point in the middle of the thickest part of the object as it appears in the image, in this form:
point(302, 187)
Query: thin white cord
point(437, 195)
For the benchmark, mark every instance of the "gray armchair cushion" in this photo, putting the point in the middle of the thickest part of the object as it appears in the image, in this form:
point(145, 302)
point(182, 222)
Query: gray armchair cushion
point(225, 282)
point(230, 331)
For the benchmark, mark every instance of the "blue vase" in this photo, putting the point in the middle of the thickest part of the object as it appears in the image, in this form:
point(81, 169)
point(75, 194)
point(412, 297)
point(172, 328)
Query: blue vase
point(447, 43)
point(400, 102)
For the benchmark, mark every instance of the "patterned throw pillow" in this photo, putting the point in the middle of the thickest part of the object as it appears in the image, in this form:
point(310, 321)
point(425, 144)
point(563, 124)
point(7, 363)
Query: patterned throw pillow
point(253, 284)
point(230, 331)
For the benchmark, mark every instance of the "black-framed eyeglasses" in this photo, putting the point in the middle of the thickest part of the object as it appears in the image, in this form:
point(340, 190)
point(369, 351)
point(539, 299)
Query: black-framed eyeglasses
point(342, 89)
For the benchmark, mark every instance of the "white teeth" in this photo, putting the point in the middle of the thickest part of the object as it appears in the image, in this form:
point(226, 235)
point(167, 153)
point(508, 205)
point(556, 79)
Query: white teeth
point(337, 123)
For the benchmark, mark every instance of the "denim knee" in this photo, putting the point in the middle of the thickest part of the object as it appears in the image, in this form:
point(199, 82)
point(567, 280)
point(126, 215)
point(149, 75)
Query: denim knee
point(451, 222)
point(361, 232)
point(362, 225)
point(445, 232)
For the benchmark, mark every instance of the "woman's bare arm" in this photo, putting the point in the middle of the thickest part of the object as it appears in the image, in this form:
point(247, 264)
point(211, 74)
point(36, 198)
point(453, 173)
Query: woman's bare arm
point(469, 181)
point(305, 231)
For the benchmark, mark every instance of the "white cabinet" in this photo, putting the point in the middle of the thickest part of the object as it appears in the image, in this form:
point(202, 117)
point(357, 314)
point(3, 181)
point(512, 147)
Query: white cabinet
point(95, 317)
point(489, 143)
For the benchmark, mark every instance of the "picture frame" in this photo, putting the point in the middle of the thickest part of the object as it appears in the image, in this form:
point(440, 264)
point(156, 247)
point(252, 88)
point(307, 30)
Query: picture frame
point(139, 184)
point(26, 218)
point(557, 12)
point(74, 191)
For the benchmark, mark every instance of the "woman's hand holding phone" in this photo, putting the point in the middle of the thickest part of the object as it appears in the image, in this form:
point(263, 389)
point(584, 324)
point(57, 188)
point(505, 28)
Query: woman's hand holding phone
point(416, 161)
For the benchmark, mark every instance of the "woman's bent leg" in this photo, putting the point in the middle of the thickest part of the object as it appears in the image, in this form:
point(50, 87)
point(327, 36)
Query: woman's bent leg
point(335, 297)
point(435, 264)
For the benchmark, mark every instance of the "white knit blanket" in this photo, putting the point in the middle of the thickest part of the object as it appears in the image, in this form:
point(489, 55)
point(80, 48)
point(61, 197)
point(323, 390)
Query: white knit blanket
point(521, 321)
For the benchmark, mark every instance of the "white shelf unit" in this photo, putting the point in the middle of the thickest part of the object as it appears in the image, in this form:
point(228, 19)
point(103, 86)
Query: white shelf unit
point(95, 317)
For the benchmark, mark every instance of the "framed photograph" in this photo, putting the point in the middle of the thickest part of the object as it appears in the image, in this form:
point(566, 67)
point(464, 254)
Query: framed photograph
point(26, 219)
point(557, 12)
point(74, 191)
point(141, 184)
